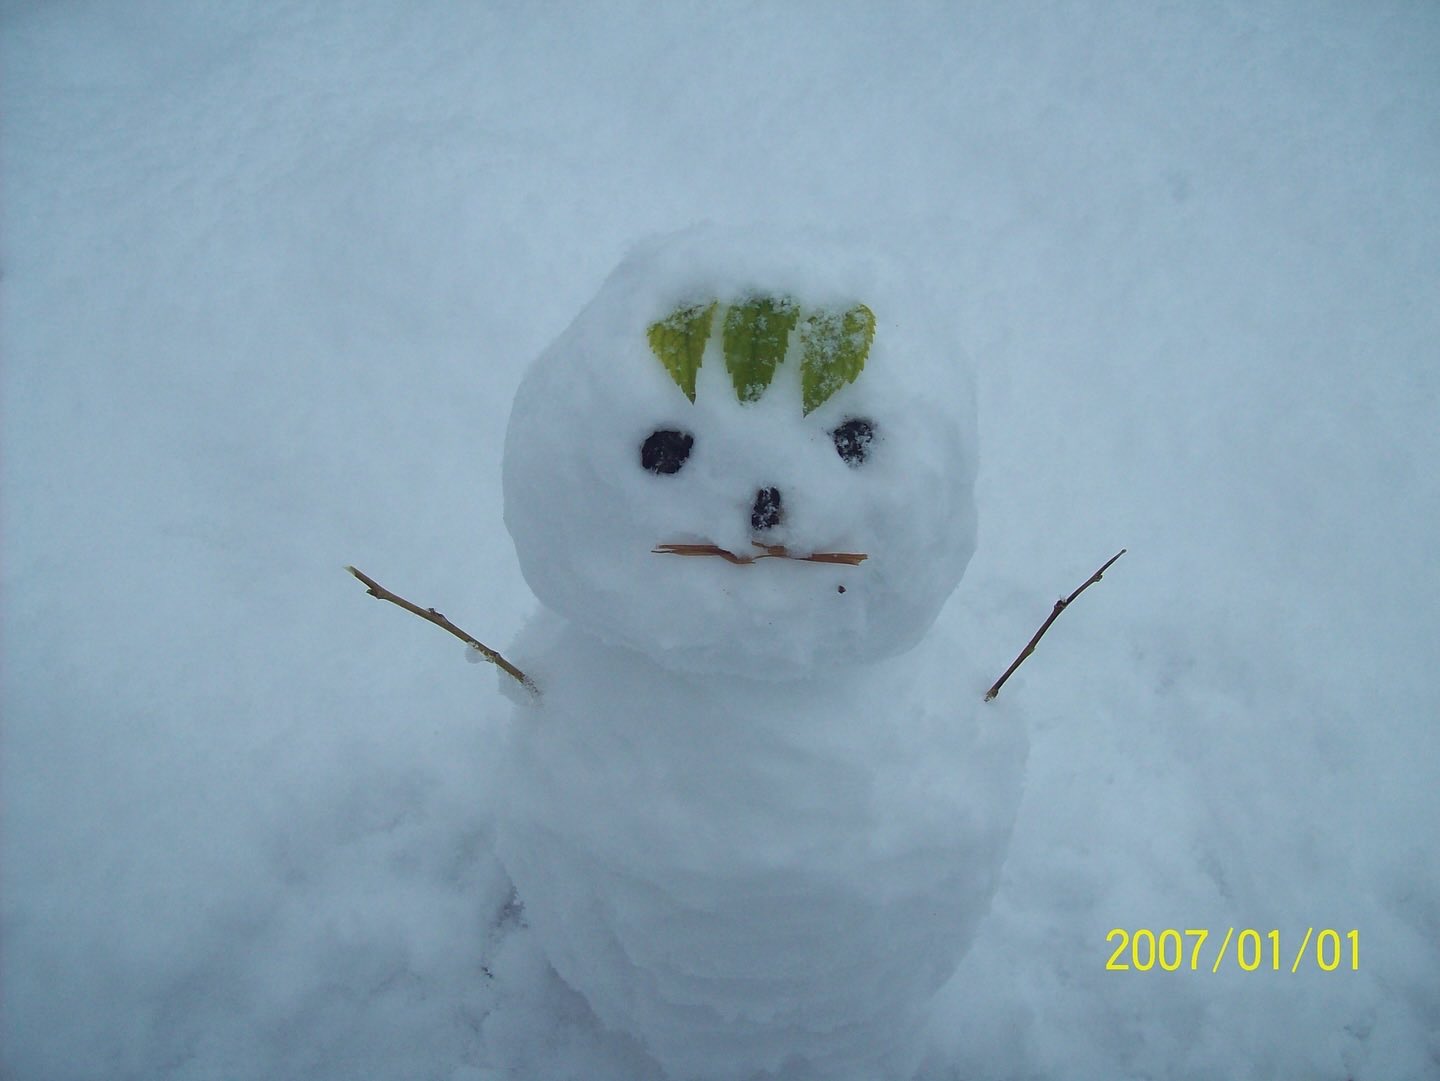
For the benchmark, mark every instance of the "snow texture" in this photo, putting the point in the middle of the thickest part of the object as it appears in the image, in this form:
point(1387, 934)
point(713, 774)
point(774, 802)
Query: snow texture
point(586, 517)
point(753, 875)
point(743, 841)
point(271, 277)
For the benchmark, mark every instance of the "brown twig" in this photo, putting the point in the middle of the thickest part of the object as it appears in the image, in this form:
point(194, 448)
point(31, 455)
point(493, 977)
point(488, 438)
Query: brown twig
point(1060, 606)
point(767, 551)
point(375, 589)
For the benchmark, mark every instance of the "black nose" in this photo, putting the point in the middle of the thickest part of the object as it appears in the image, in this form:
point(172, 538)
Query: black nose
point(767, 512)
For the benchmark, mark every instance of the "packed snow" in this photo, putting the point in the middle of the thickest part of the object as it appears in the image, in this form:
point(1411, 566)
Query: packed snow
point(272, 276)
point(741, 839)
point(587, 513)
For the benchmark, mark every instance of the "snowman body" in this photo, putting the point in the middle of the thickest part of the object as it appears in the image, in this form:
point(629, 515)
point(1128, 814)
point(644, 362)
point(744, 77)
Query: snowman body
point(756, 812)
point(752, 876)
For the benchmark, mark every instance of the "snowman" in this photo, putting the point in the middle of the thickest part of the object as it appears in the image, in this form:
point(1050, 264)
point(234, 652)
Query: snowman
point(757, 809)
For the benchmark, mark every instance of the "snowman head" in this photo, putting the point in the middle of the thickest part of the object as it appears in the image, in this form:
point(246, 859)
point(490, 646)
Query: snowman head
point(750, 454)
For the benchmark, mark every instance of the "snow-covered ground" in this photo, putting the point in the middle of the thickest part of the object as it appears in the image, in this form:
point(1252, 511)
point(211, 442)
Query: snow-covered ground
point(271, 274)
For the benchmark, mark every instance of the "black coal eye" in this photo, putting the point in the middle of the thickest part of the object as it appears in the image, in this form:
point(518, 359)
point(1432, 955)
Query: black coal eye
point(665, 451)
point(853, 439)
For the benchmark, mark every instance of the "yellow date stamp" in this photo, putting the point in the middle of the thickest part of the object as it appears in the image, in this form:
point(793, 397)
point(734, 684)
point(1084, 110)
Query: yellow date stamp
point(1172, 950)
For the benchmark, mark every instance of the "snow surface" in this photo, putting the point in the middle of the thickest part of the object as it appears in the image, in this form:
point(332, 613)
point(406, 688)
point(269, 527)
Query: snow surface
point(586, 516)
point(271, 276)
point(752, 874)
point(749, 834)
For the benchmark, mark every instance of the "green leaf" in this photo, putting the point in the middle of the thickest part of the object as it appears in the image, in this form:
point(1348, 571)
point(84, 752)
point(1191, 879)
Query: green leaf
point(755, 336)
point(679, 340)
point(834, 348)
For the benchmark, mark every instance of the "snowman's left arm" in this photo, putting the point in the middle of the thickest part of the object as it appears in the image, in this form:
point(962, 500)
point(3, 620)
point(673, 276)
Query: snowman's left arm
point(1060, 606)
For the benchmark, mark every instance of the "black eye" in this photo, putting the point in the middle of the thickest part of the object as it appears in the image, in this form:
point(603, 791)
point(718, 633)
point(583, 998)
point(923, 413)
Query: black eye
point(853, 439)
point(665, 451)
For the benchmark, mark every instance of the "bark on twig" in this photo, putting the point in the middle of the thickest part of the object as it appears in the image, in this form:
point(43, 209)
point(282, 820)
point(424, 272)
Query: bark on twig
point(375, 589)
point(767, 551)
point(1060, 606)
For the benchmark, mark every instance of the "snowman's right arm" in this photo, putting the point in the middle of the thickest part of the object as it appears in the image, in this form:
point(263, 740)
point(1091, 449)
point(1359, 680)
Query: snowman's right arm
point(376, 590)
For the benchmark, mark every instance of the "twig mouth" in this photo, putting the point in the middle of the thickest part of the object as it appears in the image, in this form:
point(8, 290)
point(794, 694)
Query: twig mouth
point(767, 551)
